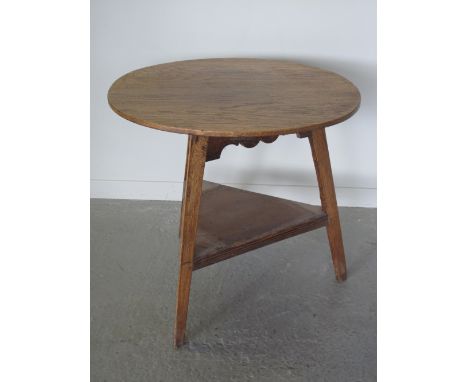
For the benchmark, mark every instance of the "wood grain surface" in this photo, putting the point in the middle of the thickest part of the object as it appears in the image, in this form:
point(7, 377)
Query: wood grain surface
point(234, 97)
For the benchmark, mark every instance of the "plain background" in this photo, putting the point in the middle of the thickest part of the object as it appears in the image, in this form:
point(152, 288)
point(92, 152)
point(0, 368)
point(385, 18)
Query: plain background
point(133, 162)
point(422, 262)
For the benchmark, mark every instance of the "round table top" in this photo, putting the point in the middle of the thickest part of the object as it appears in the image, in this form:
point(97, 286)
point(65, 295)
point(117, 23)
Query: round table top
point(234, 97)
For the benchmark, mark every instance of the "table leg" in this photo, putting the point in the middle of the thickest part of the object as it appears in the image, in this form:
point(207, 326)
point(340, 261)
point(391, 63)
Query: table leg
point(183, 188)
point(318, 143)
point(196, 156)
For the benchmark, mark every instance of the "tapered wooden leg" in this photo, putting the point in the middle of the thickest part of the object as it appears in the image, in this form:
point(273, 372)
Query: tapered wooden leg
point(318, 143)
point(196, 156)
point(183, 189)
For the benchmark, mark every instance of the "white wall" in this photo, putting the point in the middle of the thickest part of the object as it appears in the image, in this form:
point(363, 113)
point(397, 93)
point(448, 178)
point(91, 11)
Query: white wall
point(135, 162)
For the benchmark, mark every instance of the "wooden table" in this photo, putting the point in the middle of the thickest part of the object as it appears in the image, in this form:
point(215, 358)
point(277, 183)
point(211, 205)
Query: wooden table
point(218, 102)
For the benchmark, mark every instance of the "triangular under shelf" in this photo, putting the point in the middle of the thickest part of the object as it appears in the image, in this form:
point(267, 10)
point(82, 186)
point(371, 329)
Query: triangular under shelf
point(233, 221)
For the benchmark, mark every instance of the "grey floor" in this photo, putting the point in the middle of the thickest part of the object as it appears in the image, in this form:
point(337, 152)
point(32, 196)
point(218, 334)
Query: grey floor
point(275, 314)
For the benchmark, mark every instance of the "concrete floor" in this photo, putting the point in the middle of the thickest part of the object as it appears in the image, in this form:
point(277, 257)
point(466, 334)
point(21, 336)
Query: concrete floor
point(275, 314)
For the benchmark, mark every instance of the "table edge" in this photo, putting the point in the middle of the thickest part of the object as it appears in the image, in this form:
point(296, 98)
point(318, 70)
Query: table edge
point(214, 133)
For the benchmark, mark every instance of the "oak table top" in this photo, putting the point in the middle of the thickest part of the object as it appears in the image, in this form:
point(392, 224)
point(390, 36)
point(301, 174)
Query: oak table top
point(234, 97)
